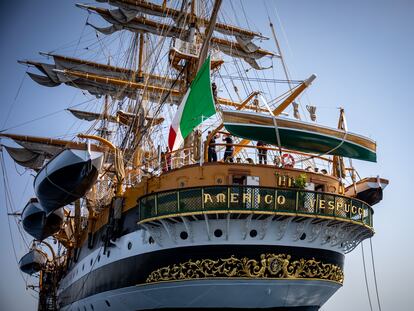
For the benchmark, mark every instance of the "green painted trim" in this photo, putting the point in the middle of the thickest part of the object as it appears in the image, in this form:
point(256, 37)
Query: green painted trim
point(302, 141)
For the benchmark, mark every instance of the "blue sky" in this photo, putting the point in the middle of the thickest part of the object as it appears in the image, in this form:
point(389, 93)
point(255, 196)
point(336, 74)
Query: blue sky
point(362, 53)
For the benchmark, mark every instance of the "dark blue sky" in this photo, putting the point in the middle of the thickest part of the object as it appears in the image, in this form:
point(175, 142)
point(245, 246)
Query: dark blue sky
point(362, 52)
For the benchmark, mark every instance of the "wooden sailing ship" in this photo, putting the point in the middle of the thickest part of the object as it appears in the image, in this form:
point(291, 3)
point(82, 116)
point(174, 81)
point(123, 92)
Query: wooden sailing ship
point(143, 227)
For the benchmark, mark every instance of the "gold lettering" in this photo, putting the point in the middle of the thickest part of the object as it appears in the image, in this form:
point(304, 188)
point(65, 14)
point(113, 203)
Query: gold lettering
point(321, 204)
point(221, 198)
point(247, 198)
point(281, 200)
point(234, 198)
point(207, 198)
point(282, 181)
point(313, 203)
point(268, 199)
point(347, 208)
point(331, 205)
point(259, 198)
point(353, 209)
point(360, 211)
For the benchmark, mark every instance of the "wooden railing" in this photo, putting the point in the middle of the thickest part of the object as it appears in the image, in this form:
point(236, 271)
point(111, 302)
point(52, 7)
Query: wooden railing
point(253, 199)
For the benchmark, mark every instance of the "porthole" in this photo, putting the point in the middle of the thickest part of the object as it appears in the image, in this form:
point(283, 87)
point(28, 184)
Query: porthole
point(151, 240)
point(303, 236)
point(218, 233)
point(107, 303)
point(83, 267)
point(91, 262)
point(92, 308)
point(183, 235)
point(99, 257)
point(108, 254)
point(84, 308)
point(253, 233)
point(129, 245)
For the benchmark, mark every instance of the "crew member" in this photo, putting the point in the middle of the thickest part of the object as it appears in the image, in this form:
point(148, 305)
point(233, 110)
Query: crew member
point(262, 152)
point(212, 154)
point(168, 159)
point(214, 91)
point(228, 152)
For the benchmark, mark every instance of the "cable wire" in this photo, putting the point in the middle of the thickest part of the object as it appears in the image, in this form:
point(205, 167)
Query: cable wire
point(365, 275)
point(375, 275)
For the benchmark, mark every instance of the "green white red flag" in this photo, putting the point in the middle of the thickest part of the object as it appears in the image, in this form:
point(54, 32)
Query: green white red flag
point(196, 106)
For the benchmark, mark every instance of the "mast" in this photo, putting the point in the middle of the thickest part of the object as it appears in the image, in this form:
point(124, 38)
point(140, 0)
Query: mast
point(140, 55)
point(338, 166)
point(104, 132)
point(209, 33)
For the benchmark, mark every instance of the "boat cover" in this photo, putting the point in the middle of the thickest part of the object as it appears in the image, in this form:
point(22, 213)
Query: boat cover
point(298, 135)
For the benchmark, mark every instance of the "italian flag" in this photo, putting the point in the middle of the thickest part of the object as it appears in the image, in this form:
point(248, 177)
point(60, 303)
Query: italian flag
point(196, 106)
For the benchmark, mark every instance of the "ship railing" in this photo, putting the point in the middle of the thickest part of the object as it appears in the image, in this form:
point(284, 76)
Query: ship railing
point(273, 155)
point(191, 155)
point(253, 200)
point(159, 164)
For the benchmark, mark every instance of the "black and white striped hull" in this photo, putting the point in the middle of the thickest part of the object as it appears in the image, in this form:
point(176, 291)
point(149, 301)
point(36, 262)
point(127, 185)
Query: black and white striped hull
point(131, 274)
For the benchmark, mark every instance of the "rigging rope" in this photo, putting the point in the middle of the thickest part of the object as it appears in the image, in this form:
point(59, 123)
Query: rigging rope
point(267, 80)
point(365, 275)
point(44, 116)
point(9, 207)
point(375, 275)
point(14, 100)
point(81, 35)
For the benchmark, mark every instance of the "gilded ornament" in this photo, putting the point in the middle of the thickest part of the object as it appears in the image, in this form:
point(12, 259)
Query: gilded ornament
point(270, 266)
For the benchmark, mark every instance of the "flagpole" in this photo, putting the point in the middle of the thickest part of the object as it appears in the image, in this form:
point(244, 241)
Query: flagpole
point(201, 142)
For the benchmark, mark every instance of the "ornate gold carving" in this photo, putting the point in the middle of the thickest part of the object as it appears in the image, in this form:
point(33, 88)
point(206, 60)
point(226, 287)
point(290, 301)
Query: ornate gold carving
point(270, 266)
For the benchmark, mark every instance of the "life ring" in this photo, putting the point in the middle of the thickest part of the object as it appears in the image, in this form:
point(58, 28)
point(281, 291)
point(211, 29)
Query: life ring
point(288, 160)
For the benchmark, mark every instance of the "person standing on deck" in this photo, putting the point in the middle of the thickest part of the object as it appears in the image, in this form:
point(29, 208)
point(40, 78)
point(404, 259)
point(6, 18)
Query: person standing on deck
point(214, 91)
point(168, 159)
point(262, 152)
point(228, 152)
point(212, 154)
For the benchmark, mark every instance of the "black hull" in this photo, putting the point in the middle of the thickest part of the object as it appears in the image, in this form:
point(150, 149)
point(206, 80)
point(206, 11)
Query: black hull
point(372, 196)
point(135, 270)
point(309, 308)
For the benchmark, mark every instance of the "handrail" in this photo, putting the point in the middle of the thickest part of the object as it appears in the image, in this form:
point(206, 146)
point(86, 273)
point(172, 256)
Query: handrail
point(274, 149)
point(253, 199)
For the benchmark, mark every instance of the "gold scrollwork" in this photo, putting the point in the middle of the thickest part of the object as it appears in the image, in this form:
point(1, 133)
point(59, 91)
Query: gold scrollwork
point(269, 266)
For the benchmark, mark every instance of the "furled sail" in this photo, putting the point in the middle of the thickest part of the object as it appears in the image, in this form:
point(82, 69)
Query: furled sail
point(38, 149)
point(26, 157)
point(128, 8)
point(59, 72)
point(121, 117)
point(90, 116)
point(243, 48)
